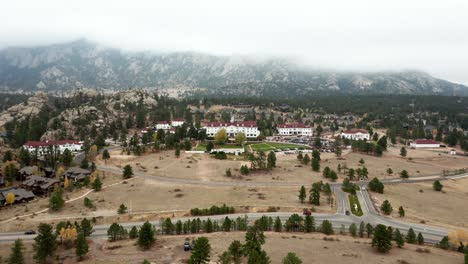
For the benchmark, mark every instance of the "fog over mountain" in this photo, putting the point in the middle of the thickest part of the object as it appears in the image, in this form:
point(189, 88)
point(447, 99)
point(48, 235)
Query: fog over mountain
point(62, 68)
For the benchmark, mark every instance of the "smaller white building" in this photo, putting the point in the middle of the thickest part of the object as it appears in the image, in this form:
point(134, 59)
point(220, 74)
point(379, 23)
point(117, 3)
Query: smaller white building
point(164, 125)
point(424, 143)
point(294, 129)
point(356, 134)
point(177, 122)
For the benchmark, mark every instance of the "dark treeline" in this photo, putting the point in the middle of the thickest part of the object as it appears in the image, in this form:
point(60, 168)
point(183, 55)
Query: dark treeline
point(213, 210)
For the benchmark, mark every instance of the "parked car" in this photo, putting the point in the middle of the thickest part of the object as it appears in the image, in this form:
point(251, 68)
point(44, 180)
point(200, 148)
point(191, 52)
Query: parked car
point(347, 212)
point(306, 212)
point(186, 246)
point(30, 232)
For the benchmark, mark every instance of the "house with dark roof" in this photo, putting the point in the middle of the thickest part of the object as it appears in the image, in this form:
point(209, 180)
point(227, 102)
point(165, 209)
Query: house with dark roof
point(40, 185)
point(21, 195)
point(26, 172)
point(76, 174)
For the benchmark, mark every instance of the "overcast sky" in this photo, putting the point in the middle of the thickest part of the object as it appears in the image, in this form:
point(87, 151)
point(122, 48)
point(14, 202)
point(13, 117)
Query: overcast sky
point(361, 35)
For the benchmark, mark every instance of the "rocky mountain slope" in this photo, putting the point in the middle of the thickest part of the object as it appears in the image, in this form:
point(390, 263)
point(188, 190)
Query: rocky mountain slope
point(65, 67)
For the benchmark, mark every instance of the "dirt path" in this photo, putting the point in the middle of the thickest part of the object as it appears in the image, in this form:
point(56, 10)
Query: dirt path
point(67, 201)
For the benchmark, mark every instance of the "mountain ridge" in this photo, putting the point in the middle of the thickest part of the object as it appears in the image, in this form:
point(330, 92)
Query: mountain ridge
point(65, 67)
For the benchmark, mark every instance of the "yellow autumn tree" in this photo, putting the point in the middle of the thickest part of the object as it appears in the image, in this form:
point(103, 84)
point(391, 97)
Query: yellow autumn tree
point(68, 235)
point(66, 183)
point(59, 172)
point(10, 198)
point(93, 176)
point(92, 153)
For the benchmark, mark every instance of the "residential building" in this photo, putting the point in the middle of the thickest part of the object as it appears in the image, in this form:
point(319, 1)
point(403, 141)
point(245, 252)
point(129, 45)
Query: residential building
point(294, 129)
point(424, 143)
point(355, 134)
point(21, 195)
point(59, 145)
point(249, 128)
point(164, 125)
point(76, 174)
point(177, 122)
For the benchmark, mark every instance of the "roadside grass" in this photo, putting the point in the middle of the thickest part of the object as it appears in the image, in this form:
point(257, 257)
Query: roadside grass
point(354, 200)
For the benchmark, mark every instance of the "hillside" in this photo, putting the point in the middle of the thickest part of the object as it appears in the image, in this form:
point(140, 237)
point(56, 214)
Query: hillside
point(61, 68)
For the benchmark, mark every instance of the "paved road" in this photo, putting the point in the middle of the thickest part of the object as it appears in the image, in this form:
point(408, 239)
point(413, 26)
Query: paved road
point(339, 219)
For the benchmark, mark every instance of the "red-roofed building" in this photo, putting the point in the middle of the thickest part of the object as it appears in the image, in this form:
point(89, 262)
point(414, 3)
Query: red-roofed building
point(355, 134)
point(294, 129)
point(424, 143)
point(60, 145)
point(249, 128)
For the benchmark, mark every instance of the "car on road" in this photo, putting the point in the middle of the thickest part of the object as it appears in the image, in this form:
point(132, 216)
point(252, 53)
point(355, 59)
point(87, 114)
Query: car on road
point(186, 246)
point(347, 212)
point(30, 232)
point(306, 212)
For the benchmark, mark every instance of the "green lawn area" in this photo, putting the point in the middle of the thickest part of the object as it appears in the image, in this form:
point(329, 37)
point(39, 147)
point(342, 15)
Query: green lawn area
point(353, 199)
point(268, 146)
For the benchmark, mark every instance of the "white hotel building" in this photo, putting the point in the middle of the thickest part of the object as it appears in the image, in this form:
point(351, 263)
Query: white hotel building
point(249, 128)
point(294, 129)
point(60, 145)
point(357, 134)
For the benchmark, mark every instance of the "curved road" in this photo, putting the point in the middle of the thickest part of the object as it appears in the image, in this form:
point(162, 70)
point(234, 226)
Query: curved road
point(431, 234)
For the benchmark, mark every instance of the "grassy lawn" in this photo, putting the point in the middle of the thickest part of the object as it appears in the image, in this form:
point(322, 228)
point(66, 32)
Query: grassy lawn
point(268, 146)
point(353, 200)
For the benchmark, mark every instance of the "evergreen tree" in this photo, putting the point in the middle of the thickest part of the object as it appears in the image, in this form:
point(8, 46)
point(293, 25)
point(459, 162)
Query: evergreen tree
point(127, 172)
point(97, 184)
point(86, 227)
point(254, 239)
point(67, 157)
point(326, 227)
point(105, 155)
point(437, 186)
point(369, 230)
point(56, 201)
point(411, 236)
point(291, 258)
point(404, 174)
point(386, 207)
point(309, 224)
point(382, 239)
point(376, 185)
point(353, 229)
point(82, 247)
point(398, 238)
point(122, 209)
point(315, 164)
point(306, 159)
point(314, 196)
point(302, 194)
point(271, 160)
point(235, 250)
point(403, 152)
point(401, 211)
point(362, 228)
point(8, 156)
point(444, 243)
point(420, 239)
point(278, 225)
point(133, 233)
point(146, 235)
point(201, 251)
point(16, 256)
point(44, 243)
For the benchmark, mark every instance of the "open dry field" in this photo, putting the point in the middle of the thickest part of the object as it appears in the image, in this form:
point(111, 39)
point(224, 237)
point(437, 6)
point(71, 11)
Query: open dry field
point(205, 168)
point(148, 199)
point(421, 202)
point(310, 247)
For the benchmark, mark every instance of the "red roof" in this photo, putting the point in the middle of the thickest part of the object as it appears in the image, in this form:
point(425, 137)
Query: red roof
point(237, 124)
point(425, 142)
point(162, 122)
point(36, 144)
point(179, 120)
point(355, 131)
point(293, 125)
